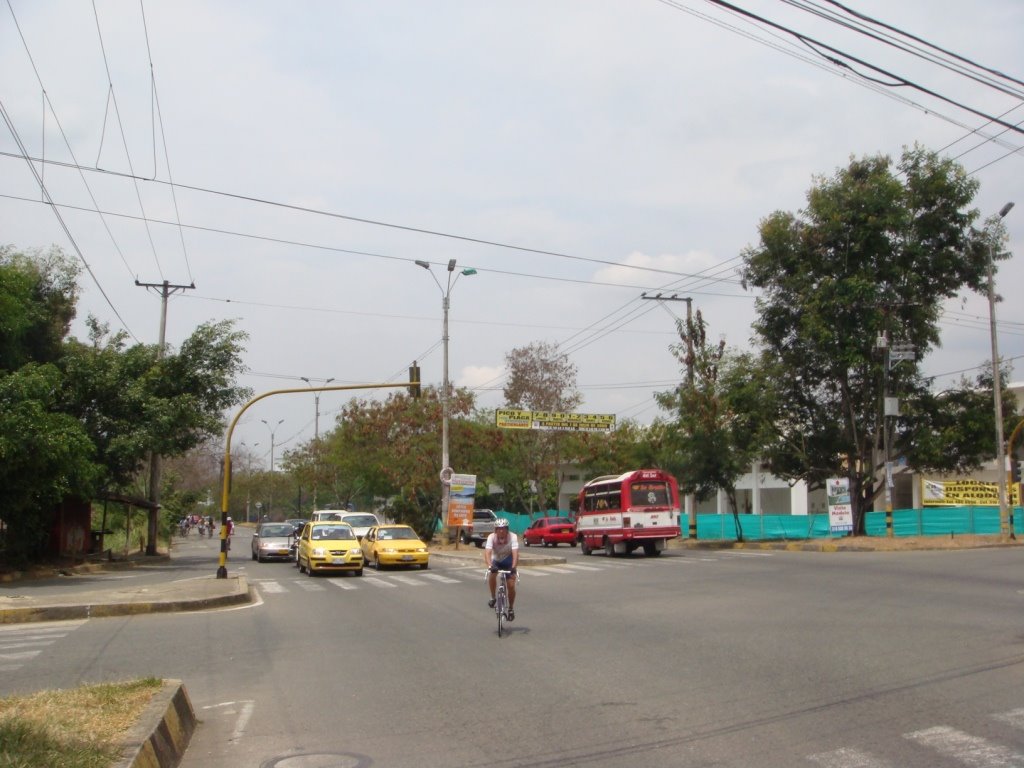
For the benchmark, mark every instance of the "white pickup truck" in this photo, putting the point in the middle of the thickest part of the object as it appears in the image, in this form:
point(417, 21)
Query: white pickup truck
point(482, 527)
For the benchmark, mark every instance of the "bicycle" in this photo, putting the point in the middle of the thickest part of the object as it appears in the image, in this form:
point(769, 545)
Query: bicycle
point(501, 599)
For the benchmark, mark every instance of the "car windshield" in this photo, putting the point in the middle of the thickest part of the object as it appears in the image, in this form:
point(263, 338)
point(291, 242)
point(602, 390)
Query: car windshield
point(360, 520)
point(397, 533)
point(277, 530)
point(332, 532)
point(559, 521)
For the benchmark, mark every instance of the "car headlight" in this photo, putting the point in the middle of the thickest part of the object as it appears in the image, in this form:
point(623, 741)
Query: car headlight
point(319, 552)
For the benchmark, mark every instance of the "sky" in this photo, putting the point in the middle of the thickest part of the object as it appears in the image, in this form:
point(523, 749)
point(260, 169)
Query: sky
point(293, 161)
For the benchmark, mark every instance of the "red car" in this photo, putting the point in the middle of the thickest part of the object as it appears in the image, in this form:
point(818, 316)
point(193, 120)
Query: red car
point(550, 532)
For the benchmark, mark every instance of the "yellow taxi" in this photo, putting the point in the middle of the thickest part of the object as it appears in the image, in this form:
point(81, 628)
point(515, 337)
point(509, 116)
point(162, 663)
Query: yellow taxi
point(326, 547)
point(394, 545)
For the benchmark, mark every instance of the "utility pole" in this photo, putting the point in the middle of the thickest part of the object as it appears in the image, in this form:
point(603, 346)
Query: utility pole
point(165, 289)
point(690, 502)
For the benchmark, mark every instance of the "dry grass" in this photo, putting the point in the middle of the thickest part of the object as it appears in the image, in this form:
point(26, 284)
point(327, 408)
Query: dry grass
point(77, 728)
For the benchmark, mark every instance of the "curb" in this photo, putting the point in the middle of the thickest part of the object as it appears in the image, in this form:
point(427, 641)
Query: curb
point(162, 734)
point(97, 610)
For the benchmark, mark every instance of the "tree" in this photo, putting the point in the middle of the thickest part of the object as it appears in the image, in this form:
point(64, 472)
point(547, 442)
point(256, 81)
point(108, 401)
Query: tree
point(132, 402)
point(45, 455)
point(540, 378)
point(873, 255)
point(37, 304)
point(719, 427)
point(107, 404)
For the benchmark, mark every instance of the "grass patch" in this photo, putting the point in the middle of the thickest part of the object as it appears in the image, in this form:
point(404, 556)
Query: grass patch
point(77, 728)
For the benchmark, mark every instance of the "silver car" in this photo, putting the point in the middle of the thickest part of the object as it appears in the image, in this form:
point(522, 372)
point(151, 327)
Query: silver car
point(273, 541)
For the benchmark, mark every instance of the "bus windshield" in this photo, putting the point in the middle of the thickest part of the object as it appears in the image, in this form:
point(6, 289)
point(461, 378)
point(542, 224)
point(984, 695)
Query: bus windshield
point(650, 494)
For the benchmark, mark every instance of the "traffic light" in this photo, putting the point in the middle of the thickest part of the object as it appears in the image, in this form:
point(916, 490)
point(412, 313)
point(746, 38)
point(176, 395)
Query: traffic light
point(414, 380)
point(1015, 470)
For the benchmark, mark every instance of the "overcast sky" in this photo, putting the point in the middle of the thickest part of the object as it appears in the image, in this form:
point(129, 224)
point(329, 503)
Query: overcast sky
point(574, 153)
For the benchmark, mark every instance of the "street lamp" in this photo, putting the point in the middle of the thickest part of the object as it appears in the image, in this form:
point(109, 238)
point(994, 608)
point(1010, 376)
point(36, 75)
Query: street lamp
point(445, 295)
point(273, 432)
point(248, 475)
point(997, 391)
point(316, 433)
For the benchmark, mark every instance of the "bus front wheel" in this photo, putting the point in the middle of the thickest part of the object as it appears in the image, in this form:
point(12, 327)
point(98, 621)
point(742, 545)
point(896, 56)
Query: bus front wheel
point(585, 548)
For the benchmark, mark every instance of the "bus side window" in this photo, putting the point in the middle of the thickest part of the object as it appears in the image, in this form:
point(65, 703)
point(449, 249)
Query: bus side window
point(615, 500)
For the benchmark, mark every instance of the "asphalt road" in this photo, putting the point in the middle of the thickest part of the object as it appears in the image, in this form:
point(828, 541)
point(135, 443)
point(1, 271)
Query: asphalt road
point(696, 658)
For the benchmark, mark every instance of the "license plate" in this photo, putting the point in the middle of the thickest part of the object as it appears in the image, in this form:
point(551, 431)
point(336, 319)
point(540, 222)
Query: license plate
point(407, 557)
point(337, 561)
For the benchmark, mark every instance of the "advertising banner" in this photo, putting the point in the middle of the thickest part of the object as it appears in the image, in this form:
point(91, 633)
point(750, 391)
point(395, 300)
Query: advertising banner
point(461, 493)
point(511, 418)
point(840, 510)
point(965, 493)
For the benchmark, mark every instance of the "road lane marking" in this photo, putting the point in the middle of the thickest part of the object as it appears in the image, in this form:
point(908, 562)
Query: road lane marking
point(1014, 717)
point(848, 758)
point(969, 750)
point(342, 585)
point(439, 578)
point(412, 581)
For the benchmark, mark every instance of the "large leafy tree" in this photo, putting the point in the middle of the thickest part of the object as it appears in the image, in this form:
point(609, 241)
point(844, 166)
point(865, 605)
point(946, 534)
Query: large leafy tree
point(873, 255)
point(85, 415)
point(37, 304)
point(540, 378)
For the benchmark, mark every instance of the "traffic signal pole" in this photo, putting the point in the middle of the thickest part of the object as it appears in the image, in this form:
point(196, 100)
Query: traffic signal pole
point(413, 387)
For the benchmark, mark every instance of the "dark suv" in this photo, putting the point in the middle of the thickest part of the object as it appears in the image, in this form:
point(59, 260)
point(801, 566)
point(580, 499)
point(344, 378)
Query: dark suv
point(482, 527)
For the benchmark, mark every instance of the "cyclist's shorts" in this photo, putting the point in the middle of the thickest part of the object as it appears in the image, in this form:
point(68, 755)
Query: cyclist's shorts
point(503, 565)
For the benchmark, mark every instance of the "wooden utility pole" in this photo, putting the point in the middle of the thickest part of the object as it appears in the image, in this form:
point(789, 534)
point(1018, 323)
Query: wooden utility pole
point(165, 289)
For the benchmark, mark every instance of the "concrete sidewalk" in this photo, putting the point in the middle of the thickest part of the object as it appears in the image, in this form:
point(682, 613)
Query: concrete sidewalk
point(193, 594)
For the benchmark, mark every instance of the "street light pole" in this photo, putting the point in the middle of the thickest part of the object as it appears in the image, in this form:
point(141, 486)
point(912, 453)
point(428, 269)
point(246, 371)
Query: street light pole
point(316, 433)
point(273, 432)
point(445, 304)
point(997, 392)
point(248, 476)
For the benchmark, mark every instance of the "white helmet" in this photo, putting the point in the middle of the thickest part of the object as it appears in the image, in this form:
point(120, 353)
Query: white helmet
point(501, 522)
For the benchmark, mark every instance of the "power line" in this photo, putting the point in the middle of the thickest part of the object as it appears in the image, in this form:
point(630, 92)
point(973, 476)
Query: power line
point(844, 59)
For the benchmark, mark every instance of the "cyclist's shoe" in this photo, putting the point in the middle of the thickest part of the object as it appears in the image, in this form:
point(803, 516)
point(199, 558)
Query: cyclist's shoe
point(511, 615)
point(490, 603)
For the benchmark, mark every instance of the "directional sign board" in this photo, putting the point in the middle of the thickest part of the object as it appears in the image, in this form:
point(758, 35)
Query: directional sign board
point(512, 418)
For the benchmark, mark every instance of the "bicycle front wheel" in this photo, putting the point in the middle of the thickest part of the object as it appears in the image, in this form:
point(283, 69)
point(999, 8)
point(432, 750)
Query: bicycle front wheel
point(499, 610)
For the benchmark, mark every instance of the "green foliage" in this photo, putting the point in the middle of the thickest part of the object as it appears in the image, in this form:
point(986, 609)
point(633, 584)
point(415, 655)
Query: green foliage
point(875, 253)
point(79, 417)
point(45, 455)
point(37, 304)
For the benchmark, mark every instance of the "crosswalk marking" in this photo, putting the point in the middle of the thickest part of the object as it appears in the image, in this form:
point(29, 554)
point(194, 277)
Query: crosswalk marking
point(471, 573)
point(970, 750)
point(341, 584)
point(438, 577)
point(1014, 717)
point(848, 758)
point(19, 644)
point(952, 744)
point(29, 643)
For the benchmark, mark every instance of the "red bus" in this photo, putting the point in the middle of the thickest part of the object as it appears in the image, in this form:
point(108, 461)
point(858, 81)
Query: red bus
point(619, 513)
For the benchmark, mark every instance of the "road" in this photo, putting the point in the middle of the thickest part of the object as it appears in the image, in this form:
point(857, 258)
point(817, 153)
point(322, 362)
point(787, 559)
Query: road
point(697, 658)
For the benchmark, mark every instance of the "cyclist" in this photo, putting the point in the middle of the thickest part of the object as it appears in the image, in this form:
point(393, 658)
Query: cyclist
point(501, 553)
